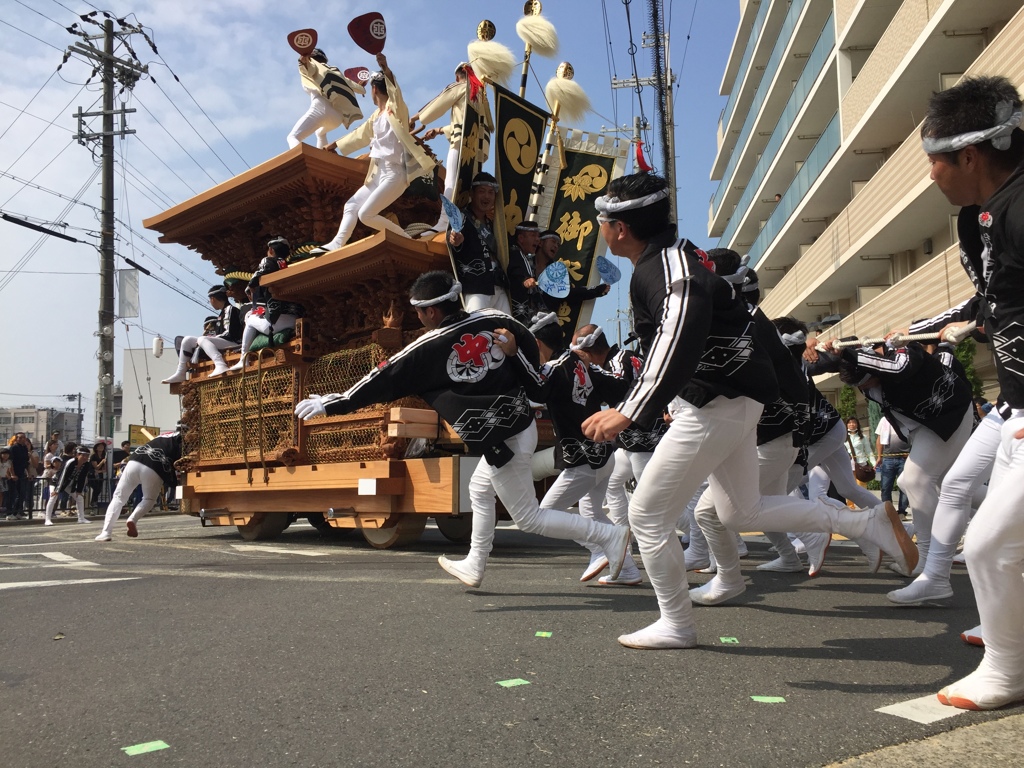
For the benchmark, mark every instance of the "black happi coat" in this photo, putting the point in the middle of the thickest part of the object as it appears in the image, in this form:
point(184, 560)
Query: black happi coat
point(573, 391)
point(463, 375)
point(159, 454)
point(698, 338)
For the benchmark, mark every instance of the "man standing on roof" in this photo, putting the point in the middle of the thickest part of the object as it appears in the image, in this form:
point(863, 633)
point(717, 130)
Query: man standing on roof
point(332, 100)
point(395, 159)
point(466, 85)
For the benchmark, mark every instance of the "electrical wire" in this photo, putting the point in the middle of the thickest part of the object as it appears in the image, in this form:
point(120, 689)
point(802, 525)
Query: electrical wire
point(5, 281)
point(175, 140)
point(164, 163)
point(53, 192)
point(39, 39)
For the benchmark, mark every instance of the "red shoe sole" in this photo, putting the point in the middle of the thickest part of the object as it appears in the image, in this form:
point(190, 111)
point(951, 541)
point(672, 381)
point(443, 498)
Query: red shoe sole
point(133, 531)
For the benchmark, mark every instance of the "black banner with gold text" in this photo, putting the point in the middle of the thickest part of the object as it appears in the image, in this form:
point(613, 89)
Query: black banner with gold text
point(584, 178)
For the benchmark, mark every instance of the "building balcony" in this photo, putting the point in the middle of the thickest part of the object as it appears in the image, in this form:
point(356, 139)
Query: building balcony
point(894, 211)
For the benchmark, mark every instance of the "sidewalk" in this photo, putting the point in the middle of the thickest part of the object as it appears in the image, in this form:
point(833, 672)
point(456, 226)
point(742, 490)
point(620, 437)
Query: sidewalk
point(37, 517)
point(995, 744)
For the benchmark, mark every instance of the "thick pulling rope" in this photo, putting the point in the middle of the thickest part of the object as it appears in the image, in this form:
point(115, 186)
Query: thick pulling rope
point(952, 336)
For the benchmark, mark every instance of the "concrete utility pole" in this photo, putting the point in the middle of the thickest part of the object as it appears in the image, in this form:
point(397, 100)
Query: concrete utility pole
point(126, 72)
point(665, 106)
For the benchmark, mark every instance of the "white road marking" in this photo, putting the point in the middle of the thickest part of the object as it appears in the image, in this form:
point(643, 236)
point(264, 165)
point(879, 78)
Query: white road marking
point(61, 582)
point(62, 560)
point(926, 709)
point(281, 550)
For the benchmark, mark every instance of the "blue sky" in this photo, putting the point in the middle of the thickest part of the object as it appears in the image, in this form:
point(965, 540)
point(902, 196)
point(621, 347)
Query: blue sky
point(232, 57)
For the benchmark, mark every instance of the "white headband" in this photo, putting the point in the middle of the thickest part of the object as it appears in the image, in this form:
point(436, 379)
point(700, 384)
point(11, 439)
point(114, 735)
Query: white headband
point(739, 277)
point(484, 183)
point(454, 293)
point(1008, 119)
point(607, 204)
point(586, 342)
point(794, 339)
point(540, 320)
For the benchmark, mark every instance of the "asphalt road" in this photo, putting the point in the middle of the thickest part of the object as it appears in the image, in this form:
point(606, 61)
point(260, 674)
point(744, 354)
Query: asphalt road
point(307, 651)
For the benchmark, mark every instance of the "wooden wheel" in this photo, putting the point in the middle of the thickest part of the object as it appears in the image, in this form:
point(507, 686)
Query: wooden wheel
point(319, 521)
point(457, 529)
point(264, 526)
point(405, 531)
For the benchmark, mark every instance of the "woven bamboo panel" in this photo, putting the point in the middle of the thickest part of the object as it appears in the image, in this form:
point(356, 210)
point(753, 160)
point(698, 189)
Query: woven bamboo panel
point(247, 417)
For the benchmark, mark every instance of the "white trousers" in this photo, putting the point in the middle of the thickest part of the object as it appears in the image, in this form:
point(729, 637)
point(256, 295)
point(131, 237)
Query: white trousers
point(994, 549)
point(78, 498)
point(135, 474)
point(365, 205)
point(717, 442)
point(213, 346)
point(451, 175)
point(774, 459)
point(513, 484)
point(320, 118)
point(585, 485)
point(498, 301)
point(963, 480)
point(830, 454)
point(929, 460)
point(626, 465)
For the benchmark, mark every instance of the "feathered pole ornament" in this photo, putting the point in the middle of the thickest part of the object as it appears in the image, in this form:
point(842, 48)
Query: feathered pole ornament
point(566, 98)
point(490, 60)
point(539, 35)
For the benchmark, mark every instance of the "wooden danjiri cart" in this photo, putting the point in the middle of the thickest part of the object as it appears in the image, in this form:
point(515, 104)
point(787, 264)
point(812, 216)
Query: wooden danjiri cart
point(249, 461)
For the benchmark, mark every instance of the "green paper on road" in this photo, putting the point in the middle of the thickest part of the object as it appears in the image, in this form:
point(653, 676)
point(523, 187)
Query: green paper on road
point(729, 640)
point(543, 634)
point(512, 683)
point(149, 746)
point(769, 699)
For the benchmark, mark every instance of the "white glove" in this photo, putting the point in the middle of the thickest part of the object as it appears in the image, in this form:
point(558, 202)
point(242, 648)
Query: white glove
point(310, 408)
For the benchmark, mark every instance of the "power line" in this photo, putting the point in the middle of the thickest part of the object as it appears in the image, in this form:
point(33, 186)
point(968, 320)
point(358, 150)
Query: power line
point(24, 111)
point(4, 282)
point(190, 125)
point(53, 192)
point(175, 140)
point(165, 165)
point(39, 39)
point(40, 13)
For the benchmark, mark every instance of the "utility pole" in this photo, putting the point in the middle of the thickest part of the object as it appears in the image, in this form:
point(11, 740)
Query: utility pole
point(71, 399)
point(665, 107)
point(128, 73)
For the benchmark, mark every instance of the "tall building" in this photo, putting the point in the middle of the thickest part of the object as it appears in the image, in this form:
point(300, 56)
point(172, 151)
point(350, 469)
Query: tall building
point(822, 178)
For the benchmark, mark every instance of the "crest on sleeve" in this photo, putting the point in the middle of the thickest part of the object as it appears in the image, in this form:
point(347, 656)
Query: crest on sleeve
point(472, 356)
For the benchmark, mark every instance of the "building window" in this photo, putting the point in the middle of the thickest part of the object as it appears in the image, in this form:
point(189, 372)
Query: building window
point(24, 419)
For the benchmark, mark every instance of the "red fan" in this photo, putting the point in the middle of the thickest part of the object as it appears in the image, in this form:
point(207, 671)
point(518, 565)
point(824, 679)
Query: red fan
point(369, 32)
point(303, 41)
point(358, 75)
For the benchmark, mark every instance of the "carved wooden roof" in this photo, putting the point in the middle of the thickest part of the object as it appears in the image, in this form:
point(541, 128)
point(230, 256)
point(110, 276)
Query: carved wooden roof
point(298, 195)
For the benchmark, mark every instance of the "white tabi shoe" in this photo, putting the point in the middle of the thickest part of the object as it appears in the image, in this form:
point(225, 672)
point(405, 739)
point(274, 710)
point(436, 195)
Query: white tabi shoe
point(716, 592)
point(973, 636)
point(658, 637)
point(920, 591)
point(598, 562)
point(629, 577)
point(103, 536)
point(782, 565)
point(816, 546)
point(176, 378)
point(463, 570)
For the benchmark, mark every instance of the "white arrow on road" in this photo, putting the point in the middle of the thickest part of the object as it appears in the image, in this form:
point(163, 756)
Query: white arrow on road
point(61, 582)
point(279, 550)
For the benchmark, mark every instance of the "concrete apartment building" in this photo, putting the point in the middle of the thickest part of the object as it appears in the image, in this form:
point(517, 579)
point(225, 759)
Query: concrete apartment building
point(825, 103)
point(39, 424)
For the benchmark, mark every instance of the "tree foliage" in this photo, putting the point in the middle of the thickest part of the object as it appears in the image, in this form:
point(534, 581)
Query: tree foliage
point(847, 405)
point(965, 354)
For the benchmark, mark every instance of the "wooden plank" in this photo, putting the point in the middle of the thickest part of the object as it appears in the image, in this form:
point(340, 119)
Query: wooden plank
point(414, 415)
point(432, 486)
point(299, 478)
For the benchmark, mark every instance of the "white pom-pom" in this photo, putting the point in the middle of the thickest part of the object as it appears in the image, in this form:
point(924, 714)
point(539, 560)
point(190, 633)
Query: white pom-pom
point(573, 102)
point(538, 33)
point(492, 61)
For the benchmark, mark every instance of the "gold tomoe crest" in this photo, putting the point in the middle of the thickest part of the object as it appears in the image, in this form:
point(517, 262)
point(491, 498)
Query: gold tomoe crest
point(591, 180)
point(521, 145)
